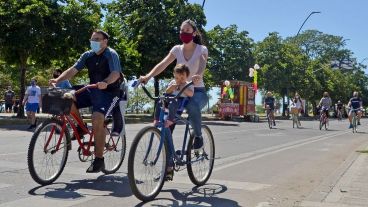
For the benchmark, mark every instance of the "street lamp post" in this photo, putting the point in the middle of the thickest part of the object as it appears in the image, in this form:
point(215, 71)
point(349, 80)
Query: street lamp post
point(314, 12)
point(306, 21)
point(204, 1)
point(363, 60)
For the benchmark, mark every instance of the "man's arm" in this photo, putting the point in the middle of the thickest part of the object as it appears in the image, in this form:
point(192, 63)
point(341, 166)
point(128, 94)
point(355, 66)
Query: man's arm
point(68, 74)
point(113, 76)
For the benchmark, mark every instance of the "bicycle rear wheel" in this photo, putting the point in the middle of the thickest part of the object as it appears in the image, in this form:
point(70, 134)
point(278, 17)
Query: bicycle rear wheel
point(269, 120)
point(200, 164)
point(114, 153)
point(45, 162)
point(146, 165)
point(354, 121)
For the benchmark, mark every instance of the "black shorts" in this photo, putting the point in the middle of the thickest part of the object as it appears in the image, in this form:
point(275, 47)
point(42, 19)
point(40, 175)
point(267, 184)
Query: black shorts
point(8, 106)
point(99, 100)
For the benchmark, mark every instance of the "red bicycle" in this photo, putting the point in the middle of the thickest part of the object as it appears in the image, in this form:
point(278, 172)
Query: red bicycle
point(51, 141)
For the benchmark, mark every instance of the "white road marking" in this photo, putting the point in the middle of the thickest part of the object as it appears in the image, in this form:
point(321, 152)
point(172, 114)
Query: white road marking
point(271, 150)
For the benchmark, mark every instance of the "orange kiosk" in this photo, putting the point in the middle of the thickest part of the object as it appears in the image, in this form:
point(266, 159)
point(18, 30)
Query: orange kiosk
point(237, 99)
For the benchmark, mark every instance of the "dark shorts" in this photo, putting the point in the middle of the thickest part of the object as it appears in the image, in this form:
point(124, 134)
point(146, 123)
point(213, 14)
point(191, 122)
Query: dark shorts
point(98, 99)
point(8, 106)
point(32, 107)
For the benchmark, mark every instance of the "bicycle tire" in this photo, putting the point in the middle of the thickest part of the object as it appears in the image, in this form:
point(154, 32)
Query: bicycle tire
point(320, 123)
point(194, 168)
point(269, 121)
point(113, 161)
point(133, 174)
point(354, 121)
point(31, 156)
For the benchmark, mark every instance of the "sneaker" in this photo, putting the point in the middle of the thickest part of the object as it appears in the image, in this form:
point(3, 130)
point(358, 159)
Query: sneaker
point(96, 166)
point(169, 174)
point(358, 122)
point(350, 126)
point(198, 143)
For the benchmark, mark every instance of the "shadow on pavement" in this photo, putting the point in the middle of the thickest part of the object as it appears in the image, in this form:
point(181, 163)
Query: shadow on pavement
point(104, 185)
point(18, 127)
point(212, 123)
point(205, 195)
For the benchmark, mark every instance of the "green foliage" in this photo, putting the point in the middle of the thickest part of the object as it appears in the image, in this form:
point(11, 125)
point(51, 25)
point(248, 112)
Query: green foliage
point(230, 54)
point(36, 34)
point(147, 30)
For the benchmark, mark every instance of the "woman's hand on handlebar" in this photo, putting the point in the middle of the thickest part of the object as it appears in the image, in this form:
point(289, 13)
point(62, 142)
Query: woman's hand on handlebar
point(144, 79)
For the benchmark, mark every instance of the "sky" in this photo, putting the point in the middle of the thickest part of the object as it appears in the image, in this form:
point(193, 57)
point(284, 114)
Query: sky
point(346, 18)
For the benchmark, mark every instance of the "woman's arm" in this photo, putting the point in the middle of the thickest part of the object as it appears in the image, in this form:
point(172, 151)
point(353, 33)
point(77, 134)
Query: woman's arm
point(158, 68)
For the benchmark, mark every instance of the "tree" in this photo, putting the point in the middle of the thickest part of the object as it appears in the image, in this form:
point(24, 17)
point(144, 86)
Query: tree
point(147, 30)
point(230, 53)
point(33, 33)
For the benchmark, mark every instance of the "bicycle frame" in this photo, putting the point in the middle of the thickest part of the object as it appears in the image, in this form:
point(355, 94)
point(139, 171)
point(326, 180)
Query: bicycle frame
point(68, 119)
point(166, 136)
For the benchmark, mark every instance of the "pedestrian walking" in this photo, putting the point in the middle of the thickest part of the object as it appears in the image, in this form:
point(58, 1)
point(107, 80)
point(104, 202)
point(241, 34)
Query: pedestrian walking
point(32, 100)
point(9, 99)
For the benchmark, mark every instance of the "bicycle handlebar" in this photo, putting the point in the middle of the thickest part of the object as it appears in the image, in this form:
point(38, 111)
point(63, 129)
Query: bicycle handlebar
point(136, 84)
point(85, 88)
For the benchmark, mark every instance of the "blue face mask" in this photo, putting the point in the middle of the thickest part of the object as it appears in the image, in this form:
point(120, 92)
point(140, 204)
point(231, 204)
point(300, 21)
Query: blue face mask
point(95, 46)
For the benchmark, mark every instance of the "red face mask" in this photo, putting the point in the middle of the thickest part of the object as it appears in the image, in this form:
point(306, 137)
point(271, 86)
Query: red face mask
point(186, 37)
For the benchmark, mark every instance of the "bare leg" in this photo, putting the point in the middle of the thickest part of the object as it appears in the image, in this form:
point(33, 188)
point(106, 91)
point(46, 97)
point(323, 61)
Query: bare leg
point(99, 133)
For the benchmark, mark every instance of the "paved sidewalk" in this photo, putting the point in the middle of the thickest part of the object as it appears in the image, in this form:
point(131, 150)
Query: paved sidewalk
point(351, 190)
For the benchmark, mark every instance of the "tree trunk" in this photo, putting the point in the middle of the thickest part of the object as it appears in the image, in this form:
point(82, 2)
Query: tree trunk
point(23, 69)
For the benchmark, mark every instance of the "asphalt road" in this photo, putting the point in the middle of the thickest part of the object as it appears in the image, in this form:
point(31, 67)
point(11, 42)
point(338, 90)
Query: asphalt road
point(254, 166)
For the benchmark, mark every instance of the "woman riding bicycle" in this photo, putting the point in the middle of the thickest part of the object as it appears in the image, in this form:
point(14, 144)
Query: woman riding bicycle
point(194, 55)
point(325, 103)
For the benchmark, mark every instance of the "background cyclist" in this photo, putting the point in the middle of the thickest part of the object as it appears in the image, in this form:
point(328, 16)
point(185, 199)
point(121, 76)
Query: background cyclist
point(355, 104)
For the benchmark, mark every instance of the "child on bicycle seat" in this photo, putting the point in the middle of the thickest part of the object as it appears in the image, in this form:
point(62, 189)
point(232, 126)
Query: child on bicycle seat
point(181, 73)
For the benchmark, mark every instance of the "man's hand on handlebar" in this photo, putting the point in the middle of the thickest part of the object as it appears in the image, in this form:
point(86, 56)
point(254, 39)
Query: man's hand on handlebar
point(101, 85)
point(52, 82)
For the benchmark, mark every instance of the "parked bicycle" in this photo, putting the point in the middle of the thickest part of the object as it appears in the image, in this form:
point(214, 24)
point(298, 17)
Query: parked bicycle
point(51, 141)
point(153, 148)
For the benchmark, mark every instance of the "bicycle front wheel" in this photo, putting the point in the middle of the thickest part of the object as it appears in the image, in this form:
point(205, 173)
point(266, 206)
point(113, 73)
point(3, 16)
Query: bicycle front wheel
point(147, 164)
point(47, 158)
point(200, 164)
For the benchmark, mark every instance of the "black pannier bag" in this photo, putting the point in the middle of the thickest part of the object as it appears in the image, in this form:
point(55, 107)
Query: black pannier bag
point(57, 101)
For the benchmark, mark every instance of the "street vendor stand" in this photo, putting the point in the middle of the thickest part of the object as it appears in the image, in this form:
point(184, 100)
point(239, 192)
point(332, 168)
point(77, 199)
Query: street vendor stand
point(237, 100)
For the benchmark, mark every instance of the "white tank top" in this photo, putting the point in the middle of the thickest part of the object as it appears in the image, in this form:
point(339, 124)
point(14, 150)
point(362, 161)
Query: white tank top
point(193, 62)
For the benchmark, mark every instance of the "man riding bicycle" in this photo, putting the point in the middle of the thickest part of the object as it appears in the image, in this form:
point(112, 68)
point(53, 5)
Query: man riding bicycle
point(355, 104)
point(269, 103)
point(325, 103)
point(104, 69)
point(339, 107)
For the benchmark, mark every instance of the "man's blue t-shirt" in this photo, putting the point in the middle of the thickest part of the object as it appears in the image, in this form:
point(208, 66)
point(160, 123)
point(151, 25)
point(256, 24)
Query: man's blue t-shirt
point(355, 102)
point(100, 66)
point(270, 101)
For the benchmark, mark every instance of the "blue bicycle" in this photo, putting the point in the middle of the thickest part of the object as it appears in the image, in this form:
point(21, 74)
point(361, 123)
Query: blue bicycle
point(153, 152)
